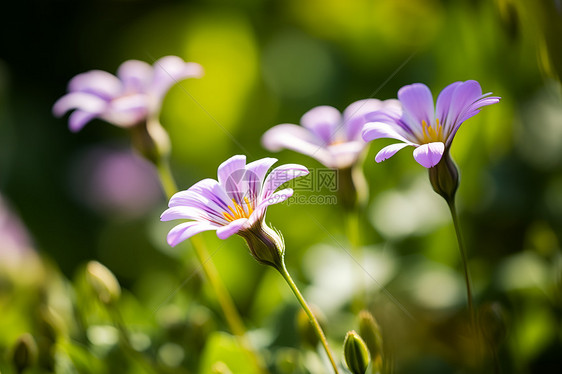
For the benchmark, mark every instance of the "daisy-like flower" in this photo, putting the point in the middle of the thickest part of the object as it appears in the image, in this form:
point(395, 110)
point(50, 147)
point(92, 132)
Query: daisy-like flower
point(235, 204)
point(326, 135)
point(127, 99)
point(419, 124)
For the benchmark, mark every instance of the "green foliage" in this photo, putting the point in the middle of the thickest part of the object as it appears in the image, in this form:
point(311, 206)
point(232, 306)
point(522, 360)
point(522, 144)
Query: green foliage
point(268, 62)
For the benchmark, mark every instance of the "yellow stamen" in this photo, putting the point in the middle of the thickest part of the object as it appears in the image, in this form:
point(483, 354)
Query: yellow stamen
point(432, 134)
point(250, 210)
point(238, 211)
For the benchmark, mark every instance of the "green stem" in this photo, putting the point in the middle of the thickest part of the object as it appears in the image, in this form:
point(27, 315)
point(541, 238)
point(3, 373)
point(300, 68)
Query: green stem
point(283, 270)
point(471, 310)
point(166, 178)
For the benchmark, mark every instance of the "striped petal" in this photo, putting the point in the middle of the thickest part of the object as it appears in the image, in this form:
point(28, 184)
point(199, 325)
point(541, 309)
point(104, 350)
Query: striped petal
point(389, 151)
point(281, 175)
point(378, 130)
point(232, 228)
point(186, 230)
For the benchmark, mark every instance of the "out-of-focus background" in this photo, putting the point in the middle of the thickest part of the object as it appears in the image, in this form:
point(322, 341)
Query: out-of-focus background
point(67, 198)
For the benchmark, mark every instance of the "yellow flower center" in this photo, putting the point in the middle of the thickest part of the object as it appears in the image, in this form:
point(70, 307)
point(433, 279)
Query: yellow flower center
point(432, 134)
point(239, 211)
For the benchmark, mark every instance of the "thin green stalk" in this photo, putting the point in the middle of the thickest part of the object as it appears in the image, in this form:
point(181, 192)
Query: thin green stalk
point(166, 178)
point(471, 310)
point(283, 270)
point(233, 319)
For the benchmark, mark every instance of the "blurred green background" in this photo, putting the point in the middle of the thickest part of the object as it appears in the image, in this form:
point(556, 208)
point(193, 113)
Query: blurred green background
point(85, 196)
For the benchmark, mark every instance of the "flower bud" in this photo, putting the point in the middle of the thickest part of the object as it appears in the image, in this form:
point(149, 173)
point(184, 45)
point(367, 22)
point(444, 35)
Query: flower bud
point(371, 333)
point(103, 282)
point(355, 353)
point(25, 352)
point(265, 244)
point(444, 177)
point(492, 324)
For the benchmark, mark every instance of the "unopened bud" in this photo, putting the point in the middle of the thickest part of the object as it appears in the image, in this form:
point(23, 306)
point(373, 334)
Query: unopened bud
point(492, 323)
point(444, 177)
point(371, 333)
point(25, 353)
point(356, 353)
point(265, 244)
point(103, 282)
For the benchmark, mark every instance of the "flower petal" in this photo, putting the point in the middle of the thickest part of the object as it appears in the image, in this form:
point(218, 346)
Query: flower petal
point(354, 116)
point(186, 230)
point(136, 75)
point(79, 100)
point(206, 193)
point(255, 174)
point(418, 106)
point(128, 110)
point(232, 228)
point(169, 70)
point(378, 130)
point(323, 121)
point(183, 212)
point(281, 175)
point(79, 119)
point(343, 155)
point(295, 138)
point(463, 97)
point(428, 155)
point(276, 198)
point(389, 151)
point(228, 167)
point(444, 103)
point(96, 82)
point(474, 109)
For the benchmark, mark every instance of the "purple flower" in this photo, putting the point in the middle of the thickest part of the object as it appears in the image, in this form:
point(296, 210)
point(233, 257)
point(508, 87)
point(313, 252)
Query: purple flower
point(235, 204)
point(332, 139)
point(419, 124)
point(127, 99)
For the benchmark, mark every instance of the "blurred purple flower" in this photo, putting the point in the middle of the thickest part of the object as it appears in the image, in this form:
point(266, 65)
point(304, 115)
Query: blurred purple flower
point(332, 139)
point(127, 99)
point(14, 238)
point(419, 124)
point(235, 204)
point(116, 182)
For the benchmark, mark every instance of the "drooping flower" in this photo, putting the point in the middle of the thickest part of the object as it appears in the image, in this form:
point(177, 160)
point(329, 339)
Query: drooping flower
point(326, 135)
point(235, 204)
point(126, 99)
point(428, 128)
